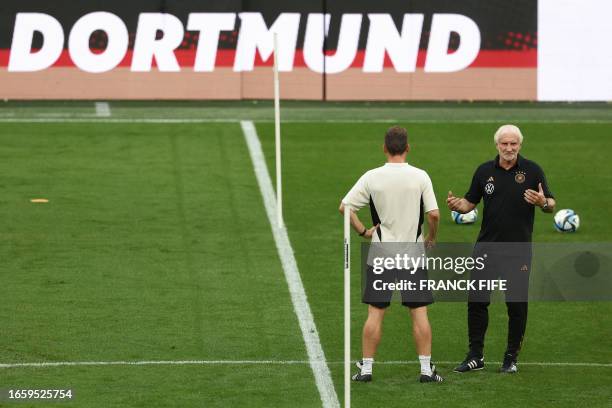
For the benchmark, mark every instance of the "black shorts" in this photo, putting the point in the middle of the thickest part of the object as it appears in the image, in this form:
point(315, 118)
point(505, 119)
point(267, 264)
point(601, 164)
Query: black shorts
point(374, 293)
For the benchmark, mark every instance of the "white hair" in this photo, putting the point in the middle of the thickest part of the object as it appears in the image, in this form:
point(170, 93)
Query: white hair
point(508, 129)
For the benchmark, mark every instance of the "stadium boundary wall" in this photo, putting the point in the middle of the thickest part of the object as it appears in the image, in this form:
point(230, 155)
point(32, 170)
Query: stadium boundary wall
point(339, 51)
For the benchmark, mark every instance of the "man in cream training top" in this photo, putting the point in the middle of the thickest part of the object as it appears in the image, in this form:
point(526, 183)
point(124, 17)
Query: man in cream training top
point(400, 197)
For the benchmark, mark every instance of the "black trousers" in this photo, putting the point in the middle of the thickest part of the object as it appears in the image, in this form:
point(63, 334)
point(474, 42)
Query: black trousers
point(515, 270)
point(478, 321)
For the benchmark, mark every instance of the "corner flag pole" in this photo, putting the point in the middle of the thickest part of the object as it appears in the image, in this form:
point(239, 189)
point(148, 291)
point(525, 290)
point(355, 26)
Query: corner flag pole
point(279, 184)
point(347, 306)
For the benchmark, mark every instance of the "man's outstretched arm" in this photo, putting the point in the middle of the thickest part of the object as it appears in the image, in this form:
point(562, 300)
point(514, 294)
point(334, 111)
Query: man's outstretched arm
point(461, 205)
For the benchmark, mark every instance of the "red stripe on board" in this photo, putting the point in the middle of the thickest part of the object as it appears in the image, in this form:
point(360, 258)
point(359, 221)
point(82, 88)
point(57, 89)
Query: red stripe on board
point(4, 57)
point(225, 58)
point(485, 59)
point(506, 59)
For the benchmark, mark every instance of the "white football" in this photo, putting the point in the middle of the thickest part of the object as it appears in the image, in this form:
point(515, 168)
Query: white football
point(467, 218)
point(566, 221)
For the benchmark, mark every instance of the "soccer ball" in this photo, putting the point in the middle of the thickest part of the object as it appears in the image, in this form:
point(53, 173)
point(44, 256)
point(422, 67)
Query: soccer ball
point(467, 218)
point(566, 221)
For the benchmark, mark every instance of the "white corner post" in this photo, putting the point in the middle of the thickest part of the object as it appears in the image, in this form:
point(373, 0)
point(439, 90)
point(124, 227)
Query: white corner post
point(277, 138)
point(347, 306)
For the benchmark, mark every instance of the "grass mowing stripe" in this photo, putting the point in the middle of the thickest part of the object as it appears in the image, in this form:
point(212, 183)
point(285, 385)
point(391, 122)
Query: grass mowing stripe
point(186, 238)
point(296, 110)
point(270, 362)
point(296, 289)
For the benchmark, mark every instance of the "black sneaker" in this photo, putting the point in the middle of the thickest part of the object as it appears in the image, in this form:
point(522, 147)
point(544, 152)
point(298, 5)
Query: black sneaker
point(471, 363)
point(434, 377)
point(509, 364)
point(361, 377)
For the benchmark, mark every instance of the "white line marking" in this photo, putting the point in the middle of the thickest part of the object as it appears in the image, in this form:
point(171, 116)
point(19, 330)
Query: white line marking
point(71, 119)
point(161, 362)
point(125, 120)
point(316, 356)
point(103, 109)
point(268, 362)
point(531, 363)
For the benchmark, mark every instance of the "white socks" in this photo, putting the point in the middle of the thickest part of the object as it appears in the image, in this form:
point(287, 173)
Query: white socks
point(425, 365)
point(366, 366)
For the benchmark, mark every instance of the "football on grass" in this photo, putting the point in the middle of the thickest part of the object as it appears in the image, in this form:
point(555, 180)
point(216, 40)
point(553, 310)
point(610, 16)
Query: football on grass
point(566, 221)
point(467, 218)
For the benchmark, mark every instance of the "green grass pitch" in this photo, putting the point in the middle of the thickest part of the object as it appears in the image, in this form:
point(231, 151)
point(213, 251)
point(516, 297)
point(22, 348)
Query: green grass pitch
point(155, 246)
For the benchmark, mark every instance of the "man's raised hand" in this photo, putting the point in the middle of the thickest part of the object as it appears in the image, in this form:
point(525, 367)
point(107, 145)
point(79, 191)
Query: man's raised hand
point(452, 202)
point(535, 197)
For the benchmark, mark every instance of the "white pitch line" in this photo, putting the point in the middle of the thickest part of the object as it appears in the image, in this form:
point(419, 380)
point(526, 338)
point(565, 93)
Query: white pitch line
point(267, 362)
point(316, 356)
point(103, 109)
point(527, 363)
point(124, 120)
point(72, 119)
point(154, 362)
